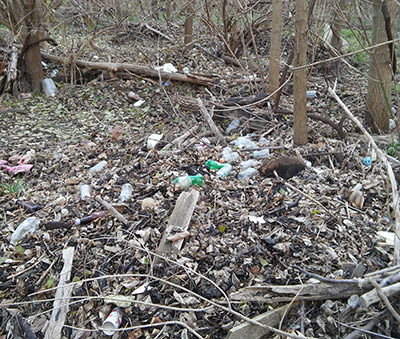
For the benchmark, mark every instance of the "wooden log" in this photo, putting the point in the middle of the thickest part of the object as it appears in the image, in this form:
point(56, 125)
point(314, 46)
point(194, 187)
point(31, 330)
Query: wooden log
point(372, 297)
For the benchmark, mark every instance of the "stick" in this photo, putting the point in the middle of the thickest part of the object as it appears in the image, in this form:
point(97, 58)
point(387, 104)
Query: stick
point(383, 158)
point(211, 123)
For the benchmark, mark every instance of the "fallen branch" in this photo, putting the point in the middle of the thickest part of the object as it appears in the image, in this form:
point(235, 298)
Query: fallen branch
point(392, 178)
point(211, 123)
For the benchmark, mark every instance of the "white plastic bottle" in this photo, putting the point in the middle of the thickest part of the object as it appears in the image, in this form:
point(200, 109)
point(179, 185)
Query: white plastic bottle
point(224, 171)
point(30, 225)
point(248, 163)
point(98, 167)
point(229, 156)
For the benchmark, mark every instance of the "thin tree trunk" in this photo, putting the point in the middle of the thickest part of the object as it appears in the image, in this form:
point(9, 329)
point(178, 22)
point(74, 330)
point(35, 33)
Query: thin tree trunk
point(275, 49)
point(299, 76)
point(33, 59)
point(189, 23)
point(380, 70)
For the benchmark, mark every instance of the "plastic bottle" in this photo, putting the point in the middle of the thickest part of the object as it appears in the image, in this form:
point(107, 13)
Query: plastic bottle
point(233, 125)
point(189, 180)
point(247, 173)
point(264, 153)
point(28, 206)
point(112, 322)
point(49, 87)
point(213, 165)
point(30, 225)
point(126, 192)
point(90, 218)
point(311, 94)
point(85, 192)
point(224, 171)
point(244, 142)
point(248, 163)
point(98, 167)
point(229, 156)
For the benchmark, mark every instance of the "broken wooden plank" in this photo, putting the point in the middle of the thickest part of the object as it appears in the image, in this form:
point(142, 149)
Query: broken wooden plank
point(63, 294)
point(270, 318)
point(178, 222)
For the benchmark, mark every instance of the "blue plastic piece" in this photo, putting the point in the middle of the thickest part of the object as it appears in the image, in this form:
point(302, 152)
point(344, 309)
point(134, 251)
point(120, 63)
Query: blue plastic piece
point(367, 161)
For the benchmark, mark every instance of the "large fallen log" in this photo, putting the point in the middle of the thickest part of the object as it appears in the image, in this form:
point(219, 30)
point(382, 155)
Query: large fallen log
point(136, 69)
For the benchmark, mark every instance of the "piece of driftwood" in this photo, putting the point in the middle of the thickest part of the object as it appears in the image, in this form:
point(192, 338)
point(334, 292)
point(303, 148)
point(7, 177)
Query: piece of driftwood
point(276, 293)
point(178, 222)
point(270, 318)
point(372, 296)
point(286, 167)
point(136, 69)
point(63, 294)
point(207, 117)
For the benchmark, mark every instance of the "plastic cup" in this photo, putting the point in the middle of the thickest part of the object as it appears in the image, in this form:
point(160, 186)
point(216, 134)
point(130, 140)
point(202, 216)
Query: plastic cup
point(112, 322)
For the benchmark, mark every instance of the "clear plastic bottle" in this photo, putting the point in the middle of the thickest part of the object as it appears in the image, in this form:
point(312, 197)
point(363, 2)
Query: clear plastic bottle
point(263, 154)
point(244, 142)
point(247, 173)
point(233, 125)
point(229, 156)
point(224, 171)
point(30, 225)
point(248, 163)
point(49, 87)
point(126, 192)
point(98, 167)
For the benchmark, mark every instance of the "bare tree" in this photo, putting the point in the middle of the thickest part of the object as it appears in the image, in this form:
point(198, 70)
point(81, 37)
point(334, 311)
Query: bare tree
point(381, 66)
point(299, 75)
point(189, 23)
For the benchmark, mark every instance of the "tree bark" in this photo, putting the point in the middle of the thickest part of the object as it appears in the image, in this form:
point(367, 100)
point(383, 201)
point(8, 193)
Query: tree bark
point(275, 49)
point(33, 59)
point(189, 23)
point(299, 75)
point(380, 72)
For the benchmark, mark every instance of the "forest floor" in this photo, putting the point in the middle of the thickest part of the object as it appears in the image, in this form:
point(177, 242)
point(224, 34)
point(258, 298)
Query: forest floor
point(242, 232)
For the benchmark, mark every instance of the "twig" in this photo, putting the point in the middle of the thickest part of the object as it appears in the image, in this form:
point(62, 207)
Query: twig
point(112, 210)
point(323, 279)
point(385, 299)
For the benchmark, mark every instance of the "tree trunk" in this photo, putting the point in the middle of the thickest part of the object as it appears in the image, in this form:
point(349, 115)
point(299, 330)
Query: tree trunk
point(275, 49)
point(168, 8)
point(337, 26)
point(33, 60)
point(299, 76)
point(189, 23)
point(379, 87)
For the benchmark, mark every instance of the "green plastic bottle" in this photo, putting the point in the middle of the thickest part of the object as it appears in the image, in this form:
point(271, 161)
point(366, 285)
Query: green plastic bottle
point(213, 165)
point(189, 180)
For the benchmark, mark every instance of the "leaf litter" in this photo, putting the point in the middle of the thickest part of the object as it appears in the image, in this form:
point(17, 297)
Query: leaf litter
point(243, 233)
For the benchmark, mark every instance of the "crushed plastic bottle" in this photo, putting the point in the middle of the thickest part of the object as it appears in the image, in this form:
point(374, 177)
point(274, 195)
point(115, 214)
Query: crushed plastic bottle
point(126, 192)
point(186, 181)
point(247, 173)
point(224, 171)
point(311, 94)
point(248, 163)
point(229, 156)
point(30, 225)
point(49, 87)
point(98, 167)
point(153, 140)
point(263, 154)
point(232, 126)
point(213, 165)
point(244, 142)
point(85, 192)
